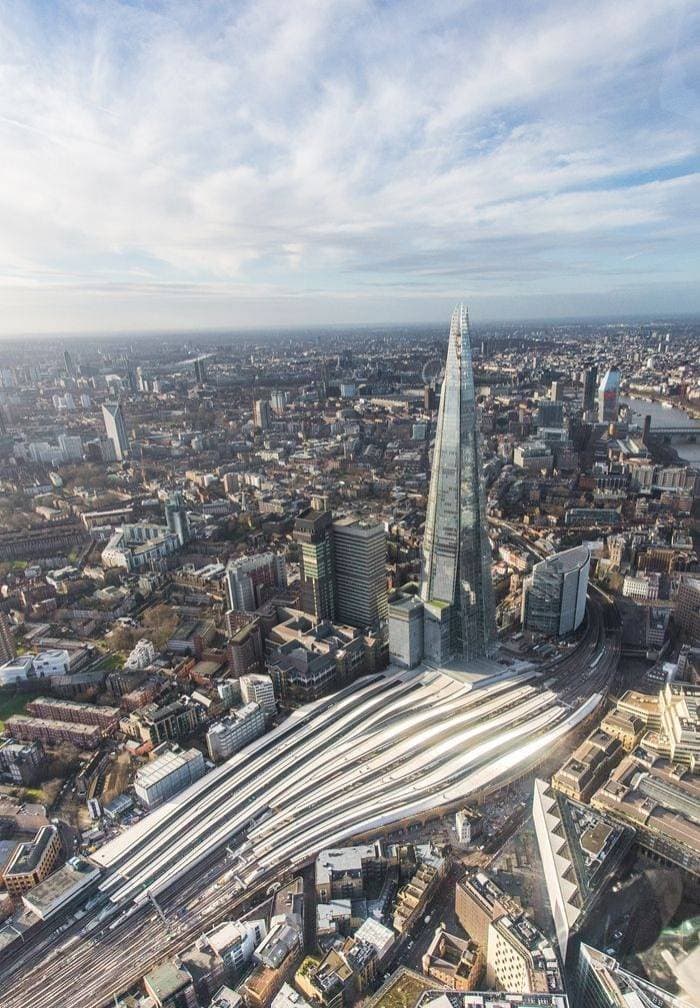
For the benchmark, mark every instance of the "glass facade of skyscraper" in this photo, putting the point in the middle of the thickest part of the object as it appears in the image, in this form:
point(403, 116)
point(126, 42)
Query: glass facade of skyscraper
point(456, 585)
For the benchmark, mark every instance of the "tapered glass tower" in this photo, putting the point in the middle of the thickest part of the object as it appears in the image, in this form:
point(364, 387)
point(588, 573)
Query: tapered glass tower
point(456, 586)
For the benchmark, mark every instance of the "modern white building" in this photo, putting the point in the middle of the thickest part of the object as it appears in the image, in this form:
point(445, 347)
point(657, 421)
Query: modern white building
point(44, 665)
point(256, 688)
point(377, 934)
point(642, 587)
point(138, 546)
point(554, 595)
point(468, 824)
point(288, 998)
point(167, 774)
point(230, 734)
point(116, 428)
point(16, 669)
point(142, 655)
point(232, 945)
point(55, 661)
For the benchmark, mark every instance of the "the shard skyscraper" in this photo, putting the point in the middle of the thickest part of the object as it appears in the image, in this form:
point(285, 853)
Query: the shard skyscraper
point(456, 586)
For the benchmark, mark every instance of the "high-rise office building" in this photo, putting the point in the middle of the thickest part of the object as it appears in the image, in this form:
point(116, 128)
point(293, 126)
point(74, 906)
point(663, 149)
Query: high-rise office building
point(456, 586)
point(554, 595)
point(3, 422)
point(590, 384)
point(556, 391)
point(7, 641)
point(278, 401)
point(609, 396)
point(200, 370)
point(251, 580)
point(550, 414)
point(68, 364)
point(312, 530)
point(116, 428)
point(71, 446)
point(359, 551)
point(262, 414)
point(405, 630)
point(176, 517)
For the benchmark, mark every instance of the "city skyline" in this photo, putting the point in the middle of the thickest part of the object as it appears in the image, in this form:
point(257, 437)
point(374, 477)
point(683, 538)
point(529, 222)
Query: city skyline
point(344, 164)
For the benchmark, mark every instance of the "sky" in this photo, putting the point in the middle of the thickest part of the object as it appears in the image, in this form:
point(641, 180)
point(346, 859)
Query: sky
point(233, 164)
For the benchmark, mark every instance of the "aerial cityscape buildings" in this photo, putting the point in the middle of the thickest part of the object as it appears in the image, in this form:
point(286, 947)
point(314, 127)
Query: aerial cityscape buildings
point(318, 709)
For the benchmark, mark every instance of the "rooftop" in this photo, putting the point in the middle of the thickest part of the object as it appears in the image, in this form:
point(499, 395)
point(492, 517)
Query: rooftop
point(48, 895)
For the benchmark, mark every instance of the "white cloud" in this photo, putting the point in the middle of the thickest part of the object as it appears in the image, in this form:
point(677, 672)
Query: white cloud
point(237, 152)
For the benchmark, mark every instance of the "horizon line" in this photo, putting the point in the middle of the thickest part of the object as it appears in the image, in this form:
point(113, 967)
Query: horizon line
point(644, 318)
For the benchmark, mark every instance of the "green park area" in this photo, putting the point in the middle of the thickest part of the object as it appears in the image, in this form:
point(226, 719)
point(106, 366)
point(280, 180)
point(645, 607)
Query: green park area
point(402, 991)
point(11, 703)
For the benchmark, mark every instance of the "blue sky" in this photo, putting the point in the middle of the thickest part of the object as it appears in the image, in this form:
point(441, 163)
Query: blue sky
point(209, 164)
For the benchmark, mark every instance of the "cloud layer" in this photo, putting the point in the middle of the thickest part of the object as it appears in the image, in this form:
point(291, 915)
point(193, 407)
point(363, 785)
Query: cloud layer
point(168, 164)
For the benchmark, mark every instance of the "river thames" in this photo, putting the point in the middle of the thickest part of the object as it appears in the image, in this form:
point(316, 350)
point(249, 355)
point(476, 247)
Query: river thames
point(663, 417)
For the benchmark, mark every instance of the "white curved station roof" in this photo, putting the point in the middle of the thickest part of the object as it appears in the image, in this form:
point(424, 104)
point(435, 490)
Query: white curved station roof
point(377, 752)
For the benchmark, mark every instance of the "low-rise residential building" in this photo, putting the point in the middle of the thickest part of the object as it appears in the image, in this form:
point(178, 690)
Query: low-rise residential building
point(277, 958)
point(19, 726)
point(22, 762)
point(164, 724)
point(340, 975)
point(70, 710)
point(32, 861)
point(259, 689)
point(413, 898)
point(222, 955)
point(170, 985)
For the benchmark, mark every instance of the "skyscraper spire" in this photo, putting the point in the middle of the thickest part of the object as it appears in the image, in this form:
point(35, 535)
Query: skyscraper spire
point(456, 586)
